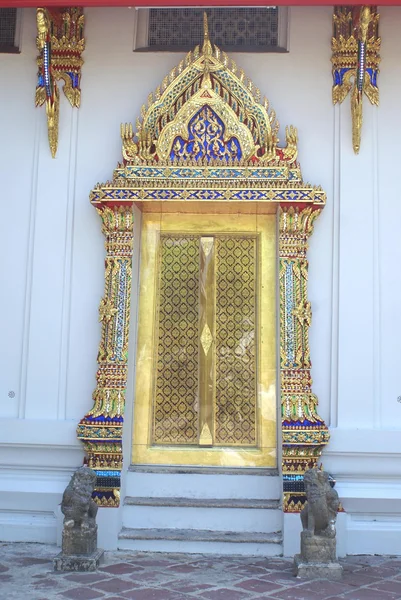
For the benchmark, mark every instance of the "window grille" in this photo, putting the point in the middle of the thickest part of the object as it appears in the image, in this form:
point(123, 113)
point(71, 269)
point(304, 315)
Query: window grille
point(231, 29)
point(9, 30)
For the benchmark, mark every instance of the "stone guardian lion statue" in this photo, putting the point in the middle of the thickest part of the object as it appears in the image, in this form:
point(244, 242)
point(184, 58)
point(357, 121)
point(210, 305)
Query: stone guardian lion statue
point(77, 506)
point(320, 512)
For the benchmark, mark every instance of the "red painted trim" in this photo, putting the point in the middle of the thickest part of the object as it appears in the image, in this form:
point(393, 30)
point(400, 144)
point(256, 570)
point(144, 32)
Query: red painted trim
point(193, 3)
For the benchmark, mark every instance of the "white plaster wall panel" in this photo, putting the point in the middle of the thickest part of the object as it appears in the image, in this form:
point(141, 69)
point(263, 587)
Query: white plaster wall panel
point(29, 501)
point(18, 134)
point(37, 433)
point(87, 289)
point(389, 155)
point(33, 526)
point(356, 350)
point(48, 290)
point(374, 535)
point(362, 454)
point(332, 421)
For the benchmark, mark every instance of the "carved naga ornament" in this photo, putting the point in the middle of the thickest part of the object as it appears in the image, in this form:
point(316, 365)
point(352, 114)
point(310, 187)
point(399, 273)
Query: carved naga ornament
point(206, 138)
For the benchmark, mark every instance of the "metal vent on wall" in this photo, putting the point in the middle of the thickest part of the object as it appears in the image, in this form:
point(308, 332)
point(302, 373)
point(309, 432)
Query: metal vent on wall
point(231, 29)
point(8, 30)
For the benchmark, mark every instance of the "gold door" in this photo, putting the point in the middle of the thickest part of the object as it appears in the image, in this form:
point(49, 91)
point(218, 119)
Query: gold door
point(206, 364)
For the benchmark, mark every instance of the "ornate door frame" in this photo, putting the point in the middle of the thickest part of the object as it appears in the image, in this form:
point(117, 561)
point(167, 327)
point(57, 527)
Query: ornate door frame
point(227, 413)
point(165, 169)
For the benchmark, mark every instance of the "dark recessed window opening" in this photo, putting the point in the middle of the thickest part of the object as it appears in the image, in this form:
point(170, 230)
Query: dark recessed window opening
point(8, 30)
point(231, 29)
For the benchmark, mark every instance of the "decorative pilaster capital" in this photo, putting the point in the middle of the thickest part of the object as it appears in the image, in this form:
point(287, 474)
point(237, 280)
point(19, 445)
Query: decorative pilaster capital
point(295, 227)
point(118, 227)
point(118, 219)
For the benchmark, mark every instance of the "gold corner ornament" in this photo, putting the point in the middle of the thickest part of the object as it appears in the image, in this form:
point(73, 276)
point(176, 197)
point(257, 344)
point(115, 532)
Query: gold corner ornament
point(355, 61)
point(60, 43)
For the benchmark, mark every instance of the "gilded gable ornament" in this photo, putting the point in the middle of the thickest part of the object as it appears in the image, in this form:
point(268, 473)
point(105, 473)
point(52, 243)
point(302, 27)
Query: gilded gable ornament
point(355, 61)
point(60, 43)
point(207, 111)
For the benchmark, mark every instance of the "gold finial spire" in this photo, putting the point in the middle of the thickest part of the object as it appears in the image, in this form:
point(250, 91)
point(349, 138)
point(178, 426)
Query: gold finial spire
point(207, 46)
point(365, 18)
point(205, 27)
point(207, 52)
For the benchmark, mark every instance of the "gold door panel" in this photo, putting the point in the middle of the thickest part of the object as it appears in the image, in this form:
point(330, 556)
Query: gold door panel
point(175, 414)
point(236, 340)
point(206, 364)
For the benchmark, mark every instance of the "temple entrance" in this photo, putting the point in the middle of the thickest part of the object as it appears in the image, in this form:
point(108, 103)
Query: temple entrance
point(206, 366)
point(205, 169)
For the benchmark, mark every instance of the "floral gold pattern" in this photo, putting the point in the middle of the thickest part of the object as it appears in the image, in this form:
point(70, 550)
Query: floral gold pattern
point(236, 351)
point(175, 413)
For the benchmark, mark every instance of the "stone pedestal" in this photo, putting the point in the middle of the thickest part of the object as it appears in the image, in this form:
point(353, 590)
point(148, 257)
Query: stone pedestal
point(79, 550)
point(79, 540)
point(78, 562)
point(317, 558)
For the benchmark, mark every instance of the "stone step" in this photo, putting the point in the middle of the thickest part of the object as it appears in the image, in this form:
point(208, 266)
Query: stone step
point(203, 502)
point(202, 513)
point(200, 541)
point(195, 470)
point(202, 482)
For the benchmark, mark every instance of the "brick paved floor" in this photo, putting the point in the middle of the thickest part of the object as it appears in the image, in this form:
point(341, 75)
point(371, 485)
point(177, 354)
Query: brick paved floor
point(26, 574)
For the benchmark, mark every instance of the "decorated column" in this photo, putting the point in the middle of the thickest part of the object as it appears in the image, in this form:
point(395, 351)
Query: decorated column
point(101, 429)
point(304, 432)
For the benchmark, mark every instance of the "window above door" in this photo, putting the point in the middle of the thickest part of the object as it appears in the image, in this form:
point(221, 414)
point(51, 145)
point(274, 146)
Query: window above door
point(234, 29)
point(10, 27)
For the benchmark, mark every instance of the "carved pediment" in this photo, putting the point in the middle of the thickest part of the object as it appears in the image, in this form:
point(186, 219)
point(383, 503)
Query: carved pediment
point(207, 110)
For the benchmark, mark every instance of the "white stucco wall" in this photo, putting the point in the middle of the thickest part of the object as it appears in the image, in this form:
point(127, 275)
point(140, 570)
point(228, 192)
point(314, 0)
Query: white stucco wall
point(52, 262)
